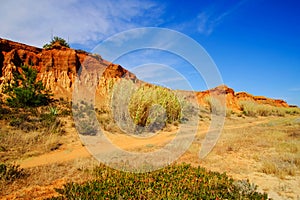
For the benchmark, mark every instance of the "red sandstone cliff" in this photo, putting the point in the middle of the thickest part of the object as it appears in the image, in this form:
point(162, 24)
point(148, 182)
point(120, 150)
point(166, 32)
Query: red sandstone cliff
point(232, 98)
point(59, 66)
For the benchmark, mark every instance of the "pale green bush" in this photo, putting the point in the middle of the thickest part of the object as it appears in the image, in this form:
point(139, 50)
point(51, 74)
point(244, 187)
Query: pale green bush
point(154, 103)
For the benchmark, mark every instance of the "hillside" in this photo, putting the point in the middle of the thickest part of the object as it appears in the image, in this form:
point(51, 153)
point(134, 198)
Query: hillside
point(45, 151)
point(59, 66)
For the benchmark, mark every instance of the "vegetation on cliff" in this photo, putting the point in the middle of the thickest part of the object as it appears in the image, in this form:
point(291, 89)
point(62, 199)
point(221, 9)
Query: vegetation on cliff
point(56, 41)
point(25, 90)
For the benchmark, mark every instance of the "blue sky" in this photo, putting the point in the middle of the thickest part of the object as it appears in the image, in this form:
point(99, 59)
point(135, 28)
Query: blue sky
point(254, 43)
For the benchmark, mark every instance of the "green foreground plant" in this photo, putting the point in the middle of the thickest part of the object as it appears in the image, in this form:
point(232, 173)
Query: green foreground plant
point(173, 182)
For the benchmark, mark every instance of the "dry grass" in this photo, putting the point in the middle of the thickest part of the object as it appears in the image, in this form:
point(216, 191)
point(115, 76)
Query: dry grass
point(215, 106)
point(285, 160)
point(16, 144)
point(254, 109)
point(280, 167)
point(264, 150)
point(31, 132)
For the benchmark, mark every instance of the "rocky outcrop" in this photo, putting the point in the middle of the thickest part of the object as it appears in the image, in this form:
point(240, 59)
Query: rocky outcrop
point(59, 66)
point(222, 92)
point(233, 98)
point(261, 99)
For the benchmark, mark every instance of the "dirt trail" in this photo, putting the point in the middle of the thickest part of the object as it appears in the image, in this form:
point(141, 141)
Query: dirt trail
point(61, 155)
point(74, 151)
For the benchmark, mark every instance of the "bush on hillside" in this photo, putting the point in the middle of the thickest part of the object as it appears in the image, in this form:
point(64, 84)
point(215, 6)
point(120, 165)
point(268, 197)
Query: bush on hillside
point(154, 104)
point(25, 90)
point(145, 108)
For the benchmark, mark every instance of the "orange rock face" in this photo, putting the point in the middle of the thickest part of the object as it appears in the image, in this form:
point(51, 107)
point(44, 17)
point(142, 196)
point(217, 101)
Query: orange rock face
point(233, 98)
point(58, 68)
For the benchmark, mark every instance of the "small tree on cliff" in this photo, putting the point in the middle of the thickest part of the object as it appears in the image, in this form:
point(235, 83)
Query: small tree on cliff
point(25, 90)
point(56, 41)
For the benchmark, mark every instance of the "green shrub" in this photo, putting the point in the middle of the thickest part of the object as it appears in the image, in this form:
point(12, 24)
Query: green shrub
point(229, 112)
point(9, 172)
point(32, 119)
point(51, 122)
point(25, 90)
point(16, 122)
point(85, 118)
point(173, 182)
point(56, 40)
point(4, 112)
point(248, 108)
point(292, 111)
point(246, 189)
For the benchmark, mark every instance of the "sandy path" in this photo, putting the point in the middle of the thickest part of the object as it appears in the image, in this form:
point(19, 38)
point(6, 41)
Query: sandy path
point(61, 155)
point(74, 151)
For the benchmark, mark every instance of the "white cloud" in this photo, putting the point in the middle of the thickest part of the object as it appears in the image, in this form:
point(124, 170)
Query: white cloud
point(83, 22)
point(210, 17)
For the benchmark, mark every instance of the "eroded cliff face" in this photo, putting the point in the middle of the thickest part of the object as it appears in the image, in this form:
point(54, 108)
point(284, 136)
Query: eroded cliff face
point(58, 68)
point(233, 98)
